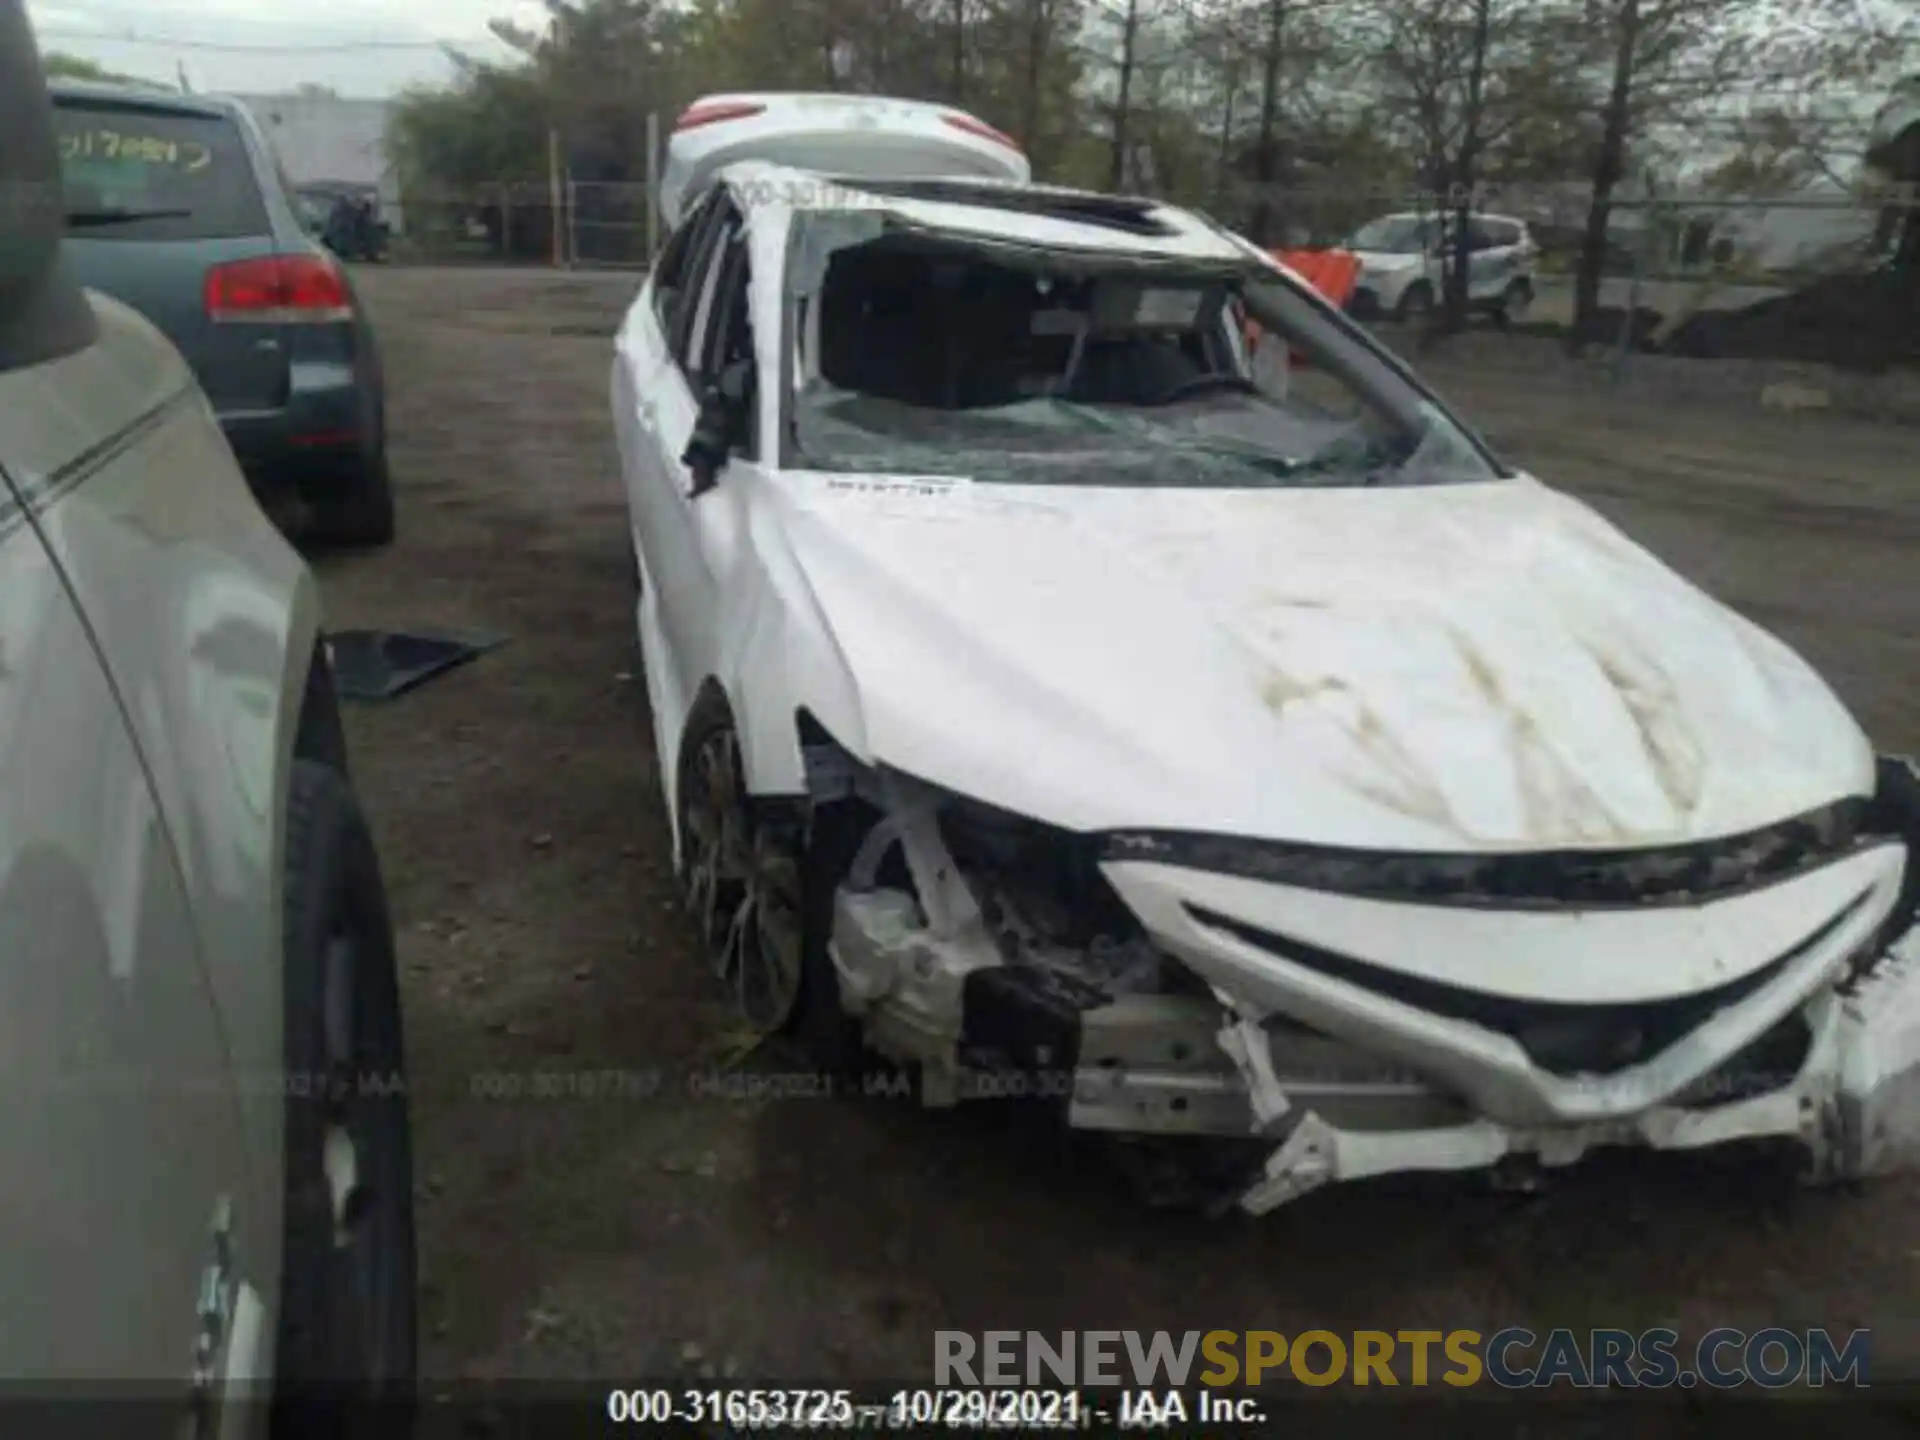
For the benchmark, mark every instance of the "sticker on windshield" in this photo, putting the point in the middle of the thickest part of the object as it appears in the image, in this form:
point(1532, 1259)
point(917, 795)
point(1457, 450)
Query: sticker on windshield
point(128, 147)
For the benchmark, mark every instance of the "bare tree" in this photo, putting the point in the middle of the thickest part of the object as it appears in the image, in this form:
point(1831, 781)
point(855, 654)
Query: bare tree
point(1129, 35)
point(1893, 152)
point(1039, 32)
point(1666, 62)
point(1231, 77)
point(957, 50)
point(1463, 81)
point(1266, 164)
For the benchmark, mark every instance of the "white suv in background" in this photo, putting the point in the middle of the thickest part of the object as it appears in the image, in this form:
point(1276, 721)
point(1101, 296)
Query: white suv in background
point(1403, 262)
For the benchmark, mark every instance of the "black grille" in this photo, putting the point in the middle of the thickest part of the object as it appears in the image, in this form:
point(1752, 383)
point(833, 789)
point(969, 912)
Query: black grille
point(1548, 879)
point(1768, 1064)
point(1565, 1039)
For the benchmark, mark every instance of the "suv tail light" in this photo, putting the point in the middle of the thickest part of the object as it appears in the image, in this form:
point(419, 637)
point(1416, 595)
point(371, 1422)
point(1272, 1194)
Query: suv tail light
point(278, 290)
point(695, 115)
point(980, 130)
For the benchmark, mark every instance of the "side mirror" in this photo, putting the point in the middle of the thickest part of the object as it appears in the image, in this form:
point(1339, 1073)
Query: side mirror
point(725, 416)
point(42, 312)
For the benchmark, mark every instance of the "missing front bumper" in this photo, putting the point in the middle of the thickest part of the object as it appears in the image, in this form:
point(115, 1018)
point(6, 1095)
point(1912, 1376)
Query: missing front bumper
point(1202, 1064)
point(1152, 1065)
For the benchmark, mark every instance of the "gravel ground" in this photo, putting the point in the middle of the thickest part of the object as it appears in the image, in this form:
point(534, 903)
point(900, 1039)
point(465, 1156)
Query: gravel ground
point(590, 1207)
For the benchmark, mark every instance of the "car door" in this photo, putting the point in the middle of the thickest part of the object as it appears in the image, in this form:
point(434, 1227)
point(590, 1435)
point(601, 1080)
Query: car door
point(119, 1130)
point(668, 370)
point(128, 1177)
point(1490, 261)
point(647, 349)
point(1437, 252)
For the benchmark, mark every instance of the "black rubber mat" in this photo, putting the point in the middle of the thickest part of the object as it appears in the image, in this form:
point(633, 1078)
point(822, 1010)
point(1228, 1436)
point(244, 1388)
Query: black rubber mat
point(372, 665)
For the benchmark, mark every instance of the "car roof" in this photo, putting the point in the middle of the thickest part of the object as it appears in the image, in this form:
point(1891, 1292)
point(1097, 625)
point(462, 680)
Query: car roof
point(830, 134)
point(1048, 215)
point(1437, 212)
point(172, 101)
point(773, 99)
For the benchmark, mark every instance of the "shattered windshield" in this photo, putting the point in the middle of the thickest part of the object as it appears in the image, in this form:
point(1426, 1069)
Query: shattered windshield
point(1395, 235)
point(920, 356)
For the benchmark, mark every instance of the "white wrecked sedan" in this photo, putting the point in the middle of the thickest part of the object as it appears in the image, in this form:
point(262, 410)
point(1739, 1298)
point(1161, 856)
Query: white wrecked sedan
point(1056, 698)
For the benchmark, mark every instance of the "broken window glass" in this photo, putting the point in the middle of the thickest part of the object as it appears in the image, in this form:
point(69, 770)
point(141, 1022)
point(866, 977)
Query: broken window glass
point(919, 353)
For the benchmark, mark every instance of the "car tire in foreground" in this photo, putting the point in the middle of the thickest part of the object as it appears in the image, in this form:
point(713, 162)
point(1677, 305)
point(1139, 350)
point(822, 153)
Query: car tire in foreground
point(1416, 303)
point(346, 1346)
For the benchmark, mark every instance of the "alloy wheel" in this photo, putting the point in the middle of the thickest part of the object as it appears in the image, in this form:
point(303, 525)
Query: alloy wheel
point(743, 887)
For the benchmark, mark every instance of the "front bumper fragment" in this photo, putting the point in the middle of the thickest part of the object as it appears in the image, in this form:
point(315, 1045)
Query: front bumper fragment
point(1492, 1070)
point(1853, 1108)
point(1799, 1019)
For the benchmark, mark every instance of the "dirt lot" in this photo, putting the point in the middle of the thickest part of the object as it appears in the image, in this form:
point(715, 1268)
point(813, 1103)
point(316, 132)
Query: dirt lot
point(584, 1210)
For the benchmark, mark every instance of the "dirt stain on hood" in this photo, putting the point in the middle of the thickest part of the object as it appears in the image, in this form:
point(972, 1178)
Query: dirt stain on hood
point(1387, 773)
point(1557, 799)
point(1673, 751)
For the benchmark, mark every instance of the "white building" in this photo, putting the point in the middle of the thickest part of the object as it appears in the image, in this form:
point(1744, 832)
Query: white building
point(1820, 224)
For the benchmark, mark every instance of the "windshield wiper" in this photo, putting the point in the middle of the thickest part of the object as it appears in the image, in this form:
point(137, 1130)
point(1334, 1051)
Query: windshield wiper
point(93, 219)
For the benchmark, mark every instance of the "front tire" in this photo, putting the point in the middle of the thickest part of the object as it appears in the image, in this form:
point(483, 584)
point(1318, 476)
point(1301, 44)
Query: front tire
point(346, 1344)
point(760, 885)
point(1416, 303)
point(741, 875)
point(1513, 302)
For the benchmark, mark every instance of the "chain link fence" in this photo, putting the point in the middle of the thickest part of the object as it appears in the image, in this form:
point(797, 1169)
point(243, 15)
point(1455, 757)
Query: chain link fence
point(526, 223)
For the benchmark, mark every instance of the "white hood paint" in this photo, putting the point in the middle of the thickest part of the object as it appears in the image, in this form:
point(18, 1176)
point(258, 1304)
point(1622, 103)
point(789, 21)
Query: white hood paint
point(1478, 667)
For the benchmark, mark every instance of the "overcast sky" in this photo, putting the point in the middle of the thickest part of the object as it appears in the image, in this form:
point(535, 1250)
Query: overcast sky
point(191, 32)
point(98, 30)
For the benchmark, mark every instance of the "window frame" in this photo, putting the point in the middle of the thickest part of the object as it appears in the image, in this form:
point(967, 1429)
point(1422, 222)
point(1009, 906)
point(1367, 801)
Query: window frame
point(721, 221)
point(1502, 234)
point(671, 270)
point(732, 270)
point(688, 341)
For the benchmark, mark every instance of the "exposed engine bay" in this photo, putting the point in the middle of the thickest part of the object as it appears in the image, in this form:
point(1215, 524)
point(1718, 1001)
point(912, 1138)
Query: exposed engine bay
point(997, 957)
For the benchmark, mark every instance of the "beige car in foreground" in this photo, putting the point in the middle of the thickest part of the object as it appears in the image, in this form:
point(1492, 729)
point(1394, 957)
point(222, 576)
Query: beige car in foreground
point(203, 1130)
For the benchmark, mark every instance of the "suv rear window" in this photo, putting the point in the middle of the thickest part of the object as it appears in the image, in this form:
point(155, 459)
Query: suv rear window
point(134, 172)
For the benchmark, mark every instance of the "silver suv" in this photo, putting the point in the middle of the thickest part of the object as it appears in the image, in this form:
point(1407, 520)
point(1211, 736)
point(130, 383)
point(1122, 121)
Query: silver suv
point(204, 1130)
point(1403, 263)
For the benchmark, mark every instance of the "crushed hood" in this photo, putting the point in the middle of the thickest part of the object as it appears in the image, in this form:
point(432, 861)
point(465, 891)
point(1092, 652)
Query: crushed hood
point(1465, 667)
